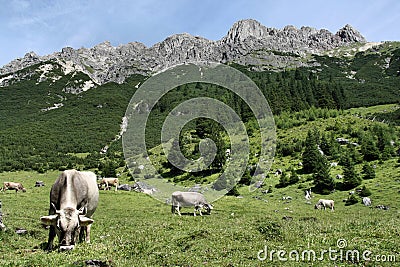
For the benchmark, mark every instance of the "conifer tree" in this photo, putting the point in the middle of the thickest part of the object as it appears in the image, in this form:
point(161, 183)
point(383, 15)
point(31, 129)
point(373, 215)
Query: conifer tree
point(368, 171)
point(323, 182)
point(312, 158)
point(369, 149)
point(351, 179)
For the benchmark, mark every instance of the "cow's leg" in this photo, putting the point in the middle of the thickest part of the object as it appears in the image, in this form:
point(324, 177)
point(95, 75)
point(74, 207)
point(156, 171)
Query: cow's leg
point(173, 209)
point(197, 208)
point(178, 210)
point(88, 233)
point(82, 232)
point(106, 186)
point(52, 234)
point(116, 187)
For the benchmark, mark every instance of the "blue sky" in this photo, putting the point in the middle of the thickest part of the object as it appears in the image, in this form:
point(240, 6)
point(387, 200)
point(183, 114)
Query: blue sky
point(46, 26)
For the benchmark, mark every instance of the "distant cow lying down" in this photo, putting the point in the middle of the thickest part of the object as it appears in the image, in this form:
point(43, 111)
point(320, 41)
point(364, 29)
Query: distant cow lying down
point(109, 182)
point(325, 203)
point(189, 199)
point(13, 186)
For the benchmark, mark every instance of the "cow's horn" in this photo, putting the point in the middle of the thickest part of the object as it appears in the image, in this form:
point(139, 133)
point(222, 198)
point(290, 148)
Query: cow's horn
point(54, 207)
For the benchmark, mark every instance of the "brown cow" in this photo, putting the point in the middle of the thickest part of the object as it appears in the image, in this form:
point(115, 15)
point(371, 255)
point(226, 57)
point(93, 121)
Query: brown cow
point(109, 182)
point(13, 186)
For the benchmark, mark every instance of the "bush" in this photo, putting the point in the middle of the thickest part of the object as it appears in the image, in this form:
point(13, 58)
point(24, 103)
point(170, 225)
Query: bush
point(270, 230)
point(233, 192)
point(365, 192)
point(368, 171)
point(351, 200)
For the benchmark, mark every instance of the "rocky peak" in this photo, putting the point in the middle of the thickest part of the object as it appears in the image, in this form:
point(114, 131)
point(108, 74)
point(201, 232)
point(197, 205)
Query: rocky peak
point(348, 35)
point(248, 42)
point(244, 29)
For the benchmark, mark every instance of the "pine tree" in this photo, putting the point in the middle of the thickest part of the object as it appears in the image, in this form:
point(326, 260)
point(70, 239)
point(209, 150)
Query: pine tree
point(368, 171)
point(323, 182)
point(294, 178)
point(312, 158)
point(283, 180)
point(350, 177)
point(326, 145)
point(369, 149)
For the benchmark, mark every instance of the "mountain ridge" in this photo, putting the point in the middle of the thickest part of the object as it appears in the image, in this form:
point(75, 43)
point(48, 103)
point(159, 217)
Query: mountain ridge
point(106, 63)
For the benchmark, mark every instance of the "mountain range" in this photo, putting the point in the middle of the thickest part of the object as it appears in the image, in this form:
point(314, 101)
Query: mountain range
point(247, 43)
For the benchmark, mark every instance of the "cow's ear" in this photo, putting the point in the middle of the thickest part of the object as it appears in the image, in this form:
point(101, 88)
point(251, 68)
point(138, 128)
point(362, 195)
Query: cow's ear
point(49, 220)
point(85, 221)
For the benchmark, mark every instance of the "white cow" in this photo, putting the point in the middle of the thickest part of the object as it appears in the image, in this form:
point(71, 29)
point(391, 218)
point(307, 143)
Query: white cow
point(189, 199)
point(149, 191)
point(366, 201)
point(307, 195)
point(325, 203)
point(73, 200)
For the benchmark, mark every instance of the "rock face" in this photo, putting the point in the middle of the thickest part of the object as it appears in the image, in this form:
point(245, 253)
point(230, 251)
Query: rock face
point(247, 43)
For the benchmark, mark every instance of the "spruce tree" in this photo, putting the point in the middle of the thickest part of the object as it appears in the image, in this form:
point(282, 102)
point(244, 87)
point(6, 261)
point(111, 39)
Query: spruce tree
point(294, 178)
point(323, 182)
point(369, 149)
point(283, 180)
point(311, 158)
point(368, 171)
point(350, 177)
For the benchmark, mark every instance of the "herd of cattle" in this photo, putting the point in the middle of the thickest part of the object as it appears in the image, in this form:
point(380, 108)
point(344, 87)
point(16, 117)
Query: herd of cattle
point(73, 200)
point(74, 197)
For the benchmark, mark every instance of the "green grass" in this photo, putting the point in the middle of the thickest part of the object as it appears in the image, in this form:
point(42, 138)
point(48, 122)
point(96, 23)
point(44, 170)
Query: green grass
point(133, 229)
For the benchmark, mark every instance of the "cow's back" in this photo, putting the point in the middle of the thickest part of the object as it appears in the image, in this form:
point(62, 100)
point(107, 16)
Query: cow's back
point(187, 199)
point(92, 192)
point(75, 189)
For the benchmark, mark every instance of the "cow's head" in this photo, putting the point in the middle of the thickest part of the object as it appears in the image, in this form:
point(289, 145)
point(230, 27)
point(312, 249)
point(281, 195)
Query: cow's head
point(317, 206)
point(208, 208)
point(67, 223)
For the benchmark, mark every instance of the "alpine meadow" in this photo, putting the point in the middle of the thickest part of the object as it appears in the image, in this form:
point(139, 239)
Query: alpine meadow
point(335, 101)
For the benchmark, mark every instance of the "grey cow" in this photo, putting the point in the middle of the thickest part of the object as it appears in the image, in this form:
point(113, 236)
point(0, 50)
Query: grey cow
point(189, 199)
point(73, 200)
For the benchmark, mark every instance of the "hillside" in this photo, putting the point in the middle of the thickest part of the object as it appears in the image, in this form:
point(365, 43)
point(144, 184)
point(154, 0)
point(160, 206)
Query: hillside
point(141, 231)
point(61, 112)
point(335, 101)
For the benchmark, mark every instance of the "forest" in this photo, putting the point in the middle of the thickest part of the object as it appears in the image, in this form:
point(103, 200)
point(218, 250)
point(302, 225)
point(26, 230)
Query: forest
point(76, 134)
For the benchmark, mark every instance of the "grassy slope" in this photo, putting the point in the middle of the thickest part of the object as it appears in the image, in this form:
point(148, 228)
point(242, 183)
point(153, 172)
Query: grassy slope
point(136, 230)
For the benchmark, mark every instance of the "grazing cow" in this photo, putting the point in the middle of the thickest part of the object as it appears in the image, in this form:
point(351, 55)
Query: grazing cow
point(149, 191)
point(109, 182)
point(366, 201)
point(307, 193)
point(325, 203)
point(73, 200)
point(189, 199)
point(13, 186)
